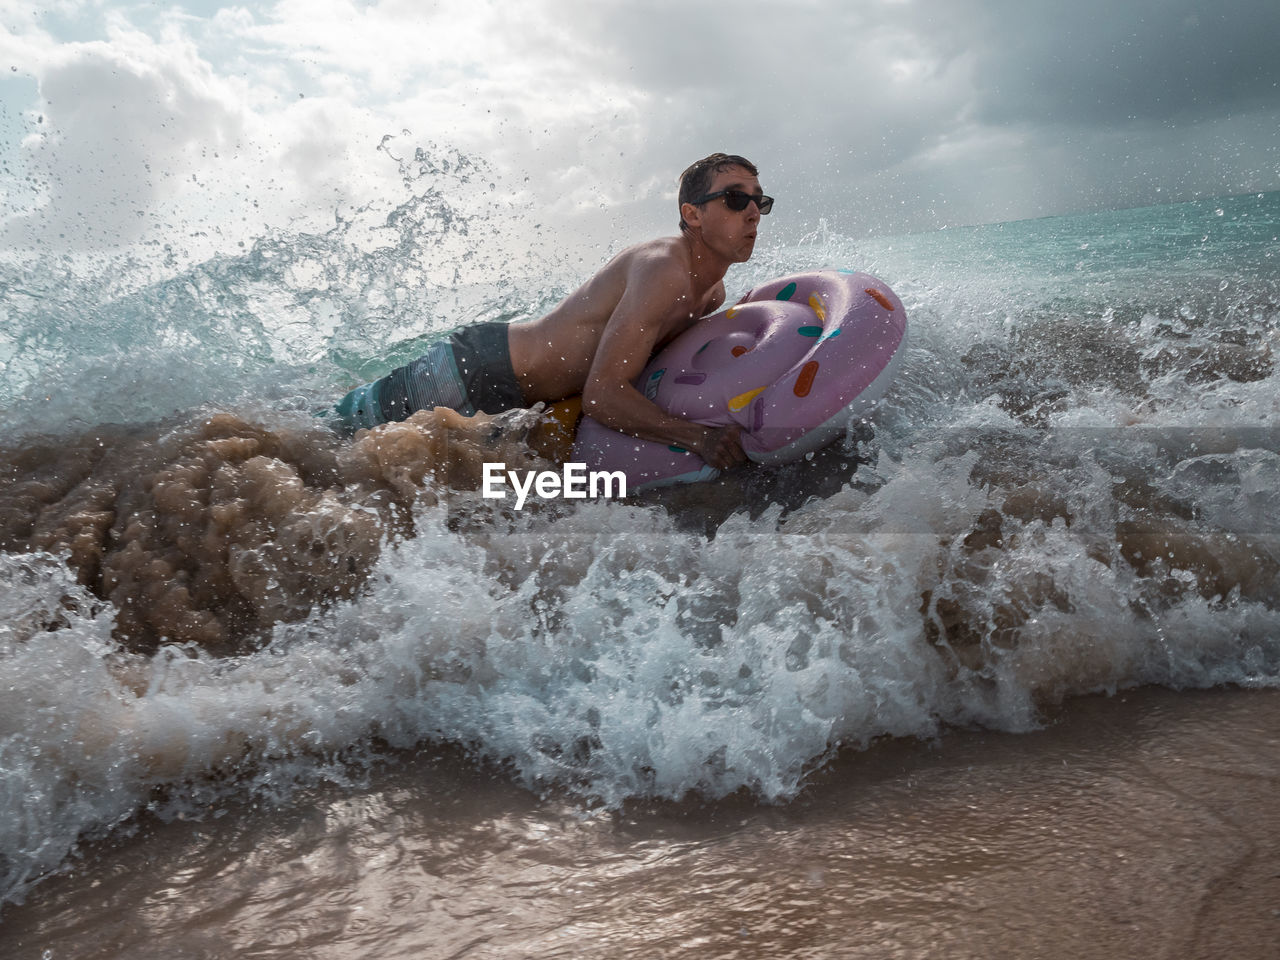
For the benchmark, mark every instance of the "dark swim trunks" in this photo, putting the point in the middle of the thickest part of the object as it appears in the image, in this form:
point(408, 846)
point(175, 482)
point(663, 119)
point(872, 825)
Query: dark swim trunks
point(469, 372)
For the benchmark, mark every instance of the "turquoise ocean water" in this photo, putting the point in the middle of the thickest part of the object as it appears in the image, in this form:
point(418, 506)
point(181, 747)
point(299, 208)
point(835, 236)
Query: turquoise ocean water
point(1073, 487)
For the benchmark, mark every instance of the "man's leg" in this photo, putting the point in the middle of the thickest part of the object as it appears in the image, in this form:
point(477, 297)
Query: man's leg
point(430, 381)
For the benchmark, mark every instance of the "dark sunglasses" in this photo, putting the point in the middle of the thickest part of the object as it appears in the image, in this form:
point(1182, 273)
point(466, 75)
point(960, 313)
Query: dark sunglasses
point(737, 200)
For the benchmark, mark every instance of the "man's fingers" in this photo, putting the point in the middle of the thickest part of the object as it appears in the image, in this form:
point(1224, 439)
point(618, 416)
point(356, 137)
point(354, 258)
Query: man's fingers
point(723, 449)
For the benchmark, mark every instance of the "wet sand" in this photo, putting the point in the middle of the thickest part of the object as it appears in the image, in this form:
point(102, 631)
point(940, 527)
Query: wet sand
point(1145, 824)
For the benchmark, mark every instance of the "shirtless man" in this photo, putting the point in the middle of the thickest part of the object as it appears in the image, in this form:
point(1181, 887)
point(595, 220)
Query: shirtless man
point(600, 337)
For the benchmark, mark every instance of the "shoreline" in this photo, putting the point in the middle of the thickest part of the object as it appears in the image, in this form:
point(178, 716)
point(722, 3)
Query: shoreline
point(1139, 824)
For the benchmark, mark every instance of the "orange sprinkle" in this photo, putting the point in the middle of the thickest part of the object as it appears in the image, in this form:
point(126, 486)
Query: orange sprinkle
point(739, 350)
point(880, 298)
point(804, 382)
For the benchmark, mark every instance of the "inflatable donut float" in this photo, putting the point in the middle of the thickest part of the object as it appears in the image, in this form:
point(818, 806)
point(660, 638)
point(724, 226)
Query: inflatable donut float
point(792, 364)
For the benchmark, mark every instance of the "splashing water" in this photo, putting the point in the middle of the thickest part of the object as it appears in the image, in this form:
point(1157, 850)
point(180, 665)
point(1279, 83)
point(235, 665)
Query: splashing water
point(1070, 489)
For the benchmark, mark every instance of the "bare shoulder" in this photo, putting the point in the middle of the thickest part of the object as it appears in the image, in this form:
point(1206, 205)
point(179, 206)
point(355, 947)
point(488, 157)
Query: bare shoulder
point(655, 259)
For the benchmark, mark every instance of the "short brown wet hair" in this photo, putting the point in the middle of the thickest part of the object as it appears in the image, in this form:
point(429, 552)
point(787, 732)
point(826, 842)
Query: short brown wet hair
point(696, 181)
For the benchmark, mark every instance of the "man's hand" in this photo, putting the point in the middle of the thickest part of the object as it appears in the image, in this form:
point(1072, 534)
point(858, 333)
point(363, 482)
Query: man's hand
point(721, 447)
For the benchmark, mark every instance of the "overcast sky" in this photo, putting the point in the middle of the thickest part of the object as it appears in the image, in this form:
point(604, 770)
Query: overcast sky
point(204, 124)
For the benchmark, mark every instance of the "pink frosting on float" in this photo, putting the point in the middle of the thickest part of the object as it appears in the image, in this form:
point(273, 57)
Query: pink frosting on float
point(791, 364)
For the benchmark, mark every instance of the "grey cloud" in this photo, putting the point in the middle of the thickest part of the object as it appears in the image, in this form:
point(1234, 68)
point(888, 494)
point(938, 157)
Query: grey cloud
point(910, 115)
point(1098, 61)
point(874, 115)
point(816, 93)
point(114, 128)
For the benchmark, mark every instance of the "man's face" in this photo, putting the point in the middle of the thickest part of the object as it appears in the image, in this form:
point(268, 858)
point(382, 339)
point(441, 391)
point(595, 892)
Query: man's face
point(731, 233)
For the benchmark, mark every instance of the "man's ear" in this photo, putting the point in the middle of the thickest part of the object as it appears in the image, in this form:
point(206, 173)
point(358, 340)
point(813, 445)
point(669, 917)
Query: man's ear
point(691, 214)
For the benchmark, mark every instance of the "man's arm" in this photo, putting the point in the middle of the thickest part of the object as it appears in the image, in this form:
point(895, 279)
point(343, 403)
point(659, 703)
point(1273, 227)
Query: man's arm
point(643, 318)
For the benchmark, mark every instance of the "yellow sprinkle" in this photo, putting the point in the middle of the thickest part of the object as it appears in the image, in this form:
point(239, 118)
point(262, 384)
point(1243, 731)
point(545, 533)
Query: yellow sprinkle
point(818, 308)
point(732, 312)
point(742, 399)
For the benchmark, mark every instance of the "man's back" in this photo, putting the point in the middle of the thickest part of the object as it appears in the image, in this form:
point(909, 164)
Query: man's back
point(552, 355)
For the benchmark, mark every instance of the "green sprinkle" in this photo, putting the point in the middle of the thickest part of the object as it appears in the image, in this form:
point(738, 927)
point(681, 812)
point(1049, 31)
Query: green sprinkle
point(787, 292)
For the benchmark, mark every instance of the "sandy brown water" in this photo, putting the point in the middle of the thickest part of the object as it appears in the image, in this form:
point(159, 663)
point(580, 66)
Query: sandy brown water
point(1142, 825)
